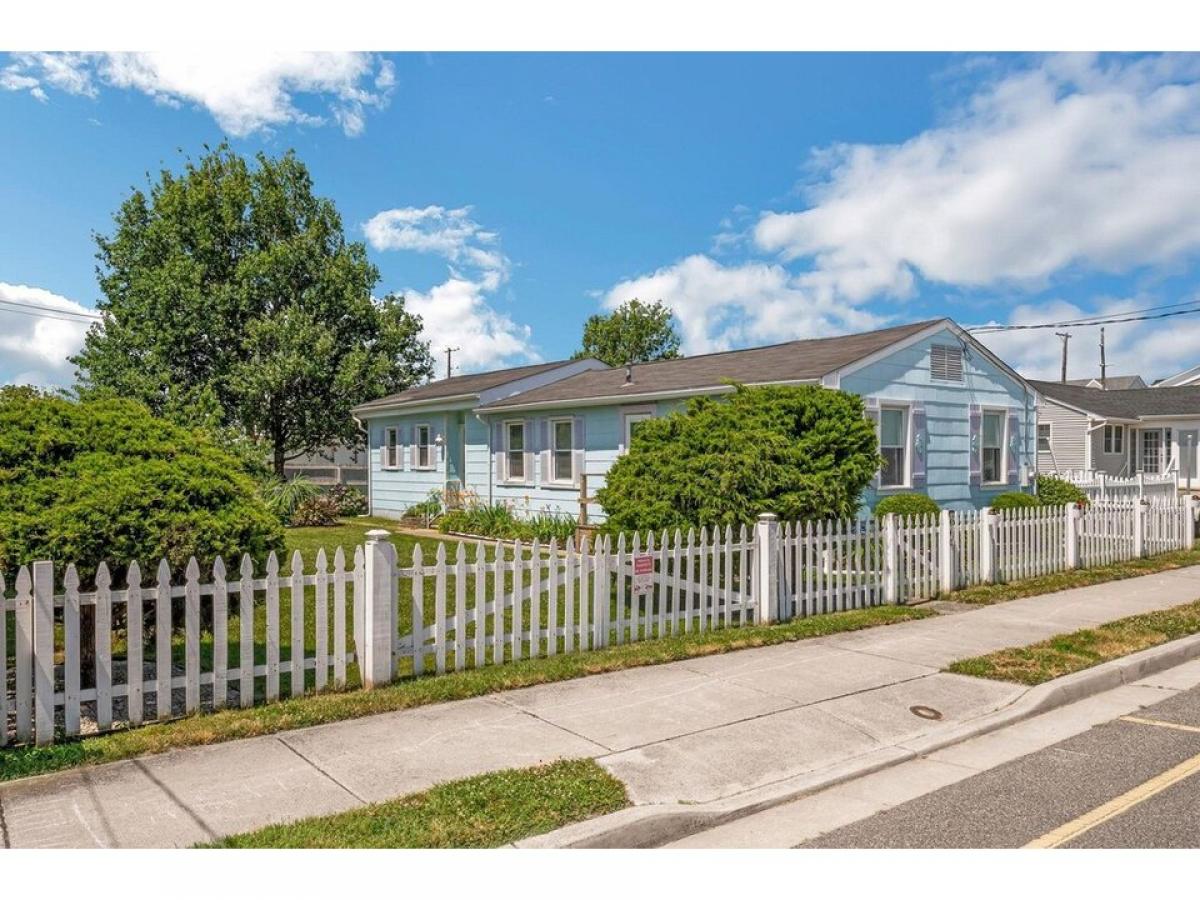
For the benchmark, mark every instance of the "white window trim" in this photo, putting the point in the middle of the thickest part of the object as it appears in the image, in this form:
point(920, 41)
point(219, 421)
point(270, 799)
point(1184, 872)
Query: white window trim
point(628, 419)
point(1037, 438)
point(1105, 443)
point(431, 466)
point(508, 423)
point(386, 463)
point(906, 408)
point(554, 479)
point(1003, 414)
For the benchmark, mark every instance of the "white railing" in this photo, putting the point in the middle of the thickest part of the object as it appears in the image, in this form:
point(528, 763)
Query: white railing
point(1102, 486)
point(478, 604)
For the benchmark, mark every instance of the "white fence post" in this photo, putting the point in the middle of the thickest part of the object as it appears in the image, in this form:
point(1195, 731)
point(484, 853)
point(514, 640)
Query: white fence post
point(378, 610)
point(1189, 531)
point(43, 652)
point(946, 553)
point(1103, 491)
point(1139, 528)
point(987, 546)
point(1141, 485)
point(1071, 536)
point(891, 550)
point(766, 555)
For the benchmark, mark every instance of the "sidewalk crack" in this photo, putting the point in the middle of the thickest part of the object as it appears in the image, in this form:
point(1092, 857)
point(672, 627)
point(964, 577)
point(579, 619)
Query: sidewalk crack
point(361, 800)
point(533, 715)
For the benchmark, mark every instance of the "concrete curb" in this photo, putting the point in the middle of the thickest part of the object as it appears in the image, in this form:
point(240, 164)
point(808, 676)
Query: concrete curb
point(653, 826)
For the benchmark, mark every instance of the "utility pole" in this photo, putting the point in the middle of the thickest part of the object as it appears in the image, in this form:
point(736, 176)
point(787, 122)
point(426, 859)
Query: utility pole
point(1066, 336)
point(1103, 367)
point(449, 351)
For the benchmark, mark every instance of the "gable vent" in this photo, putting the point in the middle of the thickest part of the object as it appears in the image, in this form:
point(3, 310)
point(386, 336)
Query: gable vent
point(946, 363)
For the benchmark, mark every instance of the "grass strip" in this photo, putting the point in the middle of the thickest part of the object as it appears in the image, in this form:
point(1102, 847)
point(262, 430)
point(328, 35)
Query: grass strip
point(1063, 654)
point(485, 811)
point(985, 594)
point(317, 709)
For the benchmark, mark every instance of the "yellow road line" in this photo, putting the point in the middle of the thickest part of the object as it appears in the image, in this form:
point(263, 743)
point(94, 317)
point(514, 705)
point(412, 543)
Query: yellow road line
point(1174, 725)
point(1118, 805)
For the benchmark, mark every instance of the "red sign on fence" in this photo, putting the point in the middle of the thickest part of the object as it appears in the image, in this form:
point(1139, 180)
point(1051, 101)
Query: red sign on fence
point(643, 574)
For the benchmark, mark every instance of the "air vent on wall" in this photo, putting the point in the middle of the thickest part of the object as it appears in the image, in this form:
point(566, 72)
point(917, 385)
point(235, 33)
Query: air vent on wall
point(946, 363)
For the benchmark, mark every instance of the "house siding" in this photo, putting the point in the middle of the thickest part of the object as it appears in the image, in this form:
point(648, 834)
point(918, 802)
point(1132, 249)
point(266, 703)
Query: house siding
point(1068, 434)
point(904, 377)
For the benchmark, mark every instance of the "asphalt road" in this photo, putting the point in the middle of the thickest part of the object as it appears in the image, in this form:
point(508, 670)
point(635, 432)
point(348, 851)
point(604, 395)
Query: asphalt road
point(1133, 782)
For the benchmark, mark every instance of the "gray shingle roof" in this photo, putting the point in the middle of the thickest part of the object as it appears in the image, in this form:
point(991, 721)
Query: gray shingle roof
point(1125, 404)
point(793, 361)
point(460, 385)
point(1115, 382)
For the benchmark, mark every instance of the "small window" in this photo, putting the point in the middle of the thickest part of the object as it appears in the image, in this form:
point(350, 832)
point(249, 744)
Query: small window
point(1044, 436)
point(424, 443)
point(1114, 439)
point(391, 449)
point(993, 447)
point(515, 455)
point(893, 447)
point(563, 450)
point(946, 363)
point(633, 421)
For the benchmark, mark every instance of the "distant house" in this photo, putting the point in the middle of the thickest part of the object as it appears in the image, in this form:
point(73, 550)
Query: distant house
point(954, 421)
point(1181, 379)
point(1111, 383)
point(1119, 432)
point(333, 465)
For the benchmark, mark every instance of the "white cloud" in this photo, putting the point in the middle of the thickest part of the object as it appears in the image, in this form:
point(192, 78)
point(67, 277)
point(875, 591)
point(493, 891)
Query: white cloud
point(1072, 164)
point(457, 313)
point(34, 349)
point(1153, 349)
point(245, 91)
point(720, 306)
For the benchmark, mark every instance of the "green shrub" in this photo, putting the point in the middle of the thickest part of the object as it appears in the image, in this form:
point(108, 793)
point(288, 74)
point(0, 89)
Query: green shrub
point(350, 501)
point(498, 521)
point(907, 505)
point(105, 480)
point(284, 497)
point(1014, 500)
point(1053, 491)
point(799, 452)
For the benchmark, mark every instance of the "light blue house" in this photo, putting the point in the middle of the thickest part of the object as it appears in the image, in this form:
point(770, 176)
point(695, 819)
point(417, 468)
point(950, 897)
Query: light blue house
point(954, 421)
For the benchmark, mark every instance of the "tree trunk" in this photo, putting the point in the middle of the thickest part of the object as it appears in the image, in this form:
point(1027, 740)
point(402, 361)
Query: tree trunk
point(279, 459)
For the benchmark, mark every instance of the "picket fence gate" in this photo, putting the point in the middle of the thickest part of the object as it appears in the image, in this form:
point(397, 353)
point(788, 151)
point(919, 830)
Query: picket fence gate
point(490, 603)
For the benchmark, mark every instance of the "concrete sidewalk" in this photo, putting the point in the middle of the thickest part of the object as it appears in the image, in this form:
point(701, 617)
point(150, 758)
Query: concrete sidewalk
point(691, 731)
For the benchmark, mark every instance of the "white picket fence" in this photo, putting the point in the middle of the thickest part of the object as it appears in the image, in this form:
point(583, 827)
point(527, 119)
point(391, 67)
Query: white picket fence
point(1100, 486)
point(492, 603)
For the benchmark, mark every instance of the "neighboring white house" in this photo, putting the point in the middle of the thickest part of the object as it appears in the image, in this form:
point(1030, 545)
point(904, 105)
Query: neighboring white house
point(1111, 383)
point(1118, 432)
point(1186, 377)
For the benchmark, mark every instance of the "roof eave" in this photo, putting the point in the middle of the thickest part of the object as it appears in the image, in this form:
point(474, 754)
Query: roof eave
point(617, 399)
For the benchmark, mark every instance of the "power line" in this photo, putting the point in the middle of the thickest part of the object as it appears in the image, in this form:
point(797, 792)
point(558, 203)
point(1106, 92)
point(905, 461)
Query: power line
point(48, 312)
point(986, 329)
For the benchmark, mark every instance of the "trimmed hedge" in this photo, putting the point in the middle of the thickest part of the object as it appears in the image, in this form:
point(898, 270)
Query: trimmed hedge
point(105, 480)
point(907, 505)
point(1053, 491)
point(1014, 500)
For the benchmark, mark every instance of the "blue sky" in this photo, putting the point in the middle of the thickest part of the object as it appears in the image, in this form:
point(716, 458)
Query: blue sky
point(762, 196)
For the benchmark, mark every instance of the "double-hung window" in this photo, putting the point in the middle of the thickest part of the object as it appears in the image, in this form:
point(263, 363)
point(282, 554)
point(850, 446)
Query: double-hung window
point(992, 467)
point(391, 449)
point(514, 456)
point(562, 451)
point(893, 446)
point(423, 439)
point(1043, 435)
point(1114, 439)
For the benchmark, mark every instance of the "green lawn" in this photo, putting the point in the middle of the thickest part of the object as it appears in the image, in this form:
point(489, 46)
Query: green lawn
point(485, 811)
point(1066, 653)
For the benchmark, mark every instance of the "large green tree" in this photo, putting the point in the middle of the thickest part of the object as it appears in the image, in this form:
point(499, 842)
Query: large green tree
point(800, 452)
point(634, 332)
point(232, 298)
